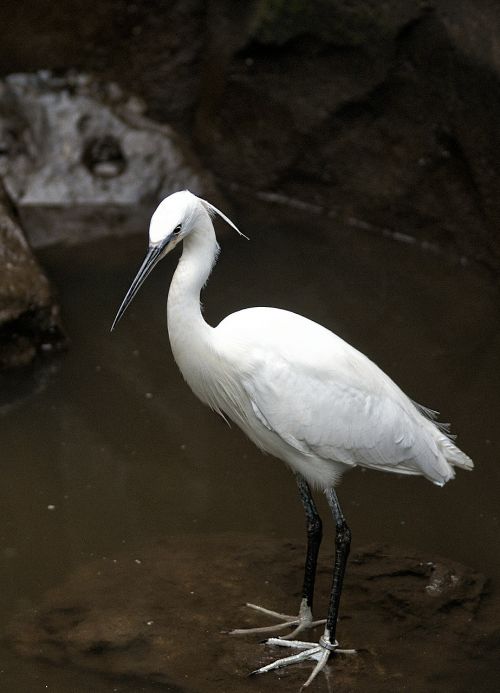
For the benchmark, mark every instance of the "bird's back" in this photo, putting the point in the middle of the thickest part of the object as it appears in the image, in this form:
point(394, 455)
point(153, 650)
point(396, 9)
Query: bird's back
point(323, 400)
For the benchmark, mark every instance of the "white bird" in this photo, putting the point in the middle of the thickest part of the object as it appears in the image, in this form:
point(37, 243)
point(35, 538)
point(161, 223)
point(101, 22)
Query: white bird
point(299, 392)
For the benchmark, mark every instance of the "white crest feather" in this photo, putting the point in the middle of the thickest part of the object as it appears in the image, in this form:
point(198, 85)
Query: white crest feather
point(211, 209)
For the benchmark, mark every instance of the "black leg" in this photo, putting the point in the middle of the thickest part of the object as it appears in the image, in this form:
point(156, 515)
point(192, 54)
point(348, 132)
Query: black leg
point(314, 535)
point(327, 642)
point(342, 546)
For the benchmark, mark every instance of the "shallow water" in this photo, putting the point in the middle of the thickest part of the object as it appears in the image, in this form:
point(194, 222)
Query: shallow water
point(107, 446)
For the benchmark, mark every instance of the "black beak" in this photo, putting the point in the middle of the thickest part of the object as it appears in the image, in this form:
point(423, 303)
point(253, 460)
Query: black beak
point(153, 255)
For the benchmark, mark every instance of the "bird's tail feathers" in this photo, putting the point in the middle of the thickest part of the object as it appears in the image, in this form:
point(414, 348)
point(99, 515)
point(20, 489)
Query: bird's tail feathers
point(432, 415)
point(454, 455)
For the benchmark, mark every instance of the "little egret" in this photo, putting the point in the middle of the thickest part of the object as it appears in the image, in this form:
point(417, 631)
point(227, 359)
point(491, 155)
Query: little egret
point(299, 392)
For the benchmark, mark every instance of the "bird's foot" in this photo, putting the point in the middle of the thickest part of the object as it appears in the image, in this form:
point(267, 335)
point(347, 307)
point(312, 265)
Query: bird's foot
point(320, 652)
point(301, 622)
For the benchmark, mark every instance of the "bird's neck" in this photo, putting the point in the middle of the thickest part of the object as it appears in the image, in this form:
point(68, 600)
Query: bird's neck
point(189, 333)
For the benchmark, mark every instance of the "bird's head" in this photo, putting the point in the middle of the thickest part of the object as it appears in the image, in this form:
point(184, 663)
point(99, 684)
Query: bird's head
point(174, 219)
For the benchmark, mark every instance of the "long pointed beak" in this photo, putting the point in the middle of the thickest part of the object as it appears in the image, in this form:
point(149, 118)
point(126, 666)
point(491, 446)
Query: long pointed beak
point(153, 255)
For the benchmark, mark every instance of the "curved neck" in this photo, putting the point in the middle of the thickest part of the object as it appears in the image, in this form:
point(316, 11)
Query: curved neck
point(186, 325)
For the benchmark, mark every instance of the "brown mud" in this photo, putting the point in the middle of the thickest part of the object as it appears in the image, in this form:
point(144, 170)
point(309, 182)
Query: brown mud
point(162, 612)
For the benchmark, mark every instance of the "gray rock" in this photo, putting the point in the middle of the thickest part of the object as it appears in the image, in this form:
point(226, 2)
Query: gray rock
point(80, 160)
point(29, 316)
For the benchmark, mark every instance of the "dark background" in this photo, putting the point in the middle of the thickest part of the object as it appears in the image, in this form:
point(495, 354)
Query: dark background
point(382, 114)
point(331, 128)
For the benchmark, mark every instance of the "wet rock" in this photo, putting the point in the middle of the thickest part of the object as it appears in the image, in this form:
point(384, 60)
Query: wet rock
point(160, 613)
point(79, 159)
point(340, 22)
point(373, 112)
point(153, 48)
point(29, 315)
point(370, 112)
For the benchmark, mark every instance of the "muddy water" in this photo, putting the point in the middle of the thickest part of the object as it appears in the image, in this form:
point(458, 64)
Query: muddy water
point(107, 447)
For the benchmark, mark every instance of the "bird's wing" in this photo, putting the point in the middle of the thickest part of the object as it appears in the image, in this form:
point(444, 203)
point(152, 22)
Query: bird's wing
point(324, 398)
point(330, 414)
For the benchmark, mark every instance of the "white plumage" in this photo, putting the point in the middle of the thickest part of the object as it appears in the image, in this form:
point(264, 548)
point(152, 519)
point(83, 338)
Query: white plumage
point(297, 390)
point(326, 405)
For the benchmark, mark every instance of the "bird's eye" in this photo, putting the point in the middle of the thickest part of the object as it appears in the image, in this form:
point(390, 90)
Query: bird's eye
point(177, 229)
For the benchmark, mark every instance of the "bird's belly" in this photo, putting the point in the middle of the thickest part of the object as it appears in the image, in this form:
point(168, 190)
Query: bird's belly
point(226, 396)
point(319, 472)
